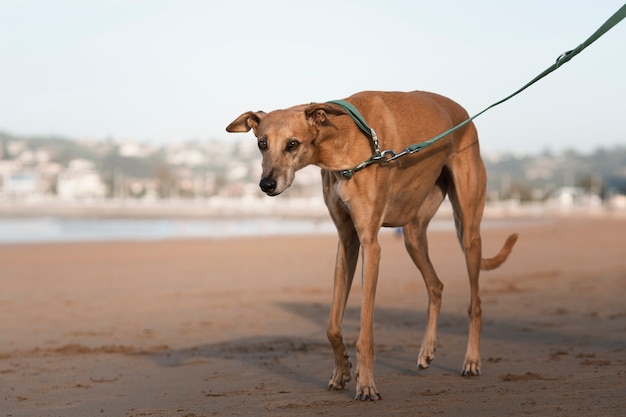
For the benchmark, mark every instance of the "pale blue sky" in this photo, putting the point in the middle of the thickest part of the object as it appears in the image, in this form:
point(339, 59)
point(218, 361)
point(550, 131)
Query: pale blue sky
point(176, 70)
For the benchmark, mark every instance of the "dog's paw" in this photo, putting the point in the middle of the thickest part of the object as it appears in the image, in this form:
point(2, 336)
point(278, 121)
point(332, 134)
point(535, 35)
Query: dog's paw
point(364, 393)
point(338, 379)
point(425, 357)
point(365, 387)
point(471, 368)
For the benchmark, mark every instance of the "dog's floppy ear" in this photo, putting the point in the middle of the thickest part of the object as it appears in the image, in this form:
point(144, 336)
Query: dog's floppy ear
point(245, 122)
point(317, 113)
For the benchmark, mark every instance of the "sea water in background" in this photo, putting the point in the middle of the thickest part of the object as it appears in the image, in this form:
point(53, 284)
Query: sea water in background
point(53, 229)
point(50, 229)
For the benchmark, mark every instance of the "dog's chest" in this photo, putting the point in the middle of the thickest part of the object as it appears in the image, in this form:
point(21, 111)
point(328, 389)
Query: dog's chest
point(394, 203)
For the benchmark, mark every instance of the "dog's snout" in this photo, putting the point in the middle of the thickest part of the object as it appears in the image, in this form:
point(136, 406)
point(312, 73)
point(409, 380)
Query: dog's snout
point(268, 185)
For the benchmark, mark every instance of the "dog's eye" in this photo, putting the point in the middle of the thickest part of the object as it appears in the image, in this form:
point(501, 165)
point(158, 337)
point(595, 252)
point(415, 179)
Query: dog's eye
point(262, 144)
point(292, 145)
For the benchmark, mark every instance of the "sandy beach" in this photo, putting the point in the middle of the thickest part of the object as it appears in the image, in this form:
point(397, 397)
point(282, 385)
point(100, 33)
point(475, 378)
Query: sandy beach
point(220, 327)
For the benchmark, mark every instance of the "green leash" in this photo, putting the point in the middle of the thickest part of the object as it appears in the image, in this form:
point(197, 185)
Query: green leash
point(389, 155)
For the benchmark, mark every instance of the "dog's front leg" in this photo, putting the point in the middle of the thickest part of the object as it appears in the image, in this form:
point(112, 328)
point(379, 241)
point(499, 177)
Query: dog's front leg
point(347, 257)
point(365, 387)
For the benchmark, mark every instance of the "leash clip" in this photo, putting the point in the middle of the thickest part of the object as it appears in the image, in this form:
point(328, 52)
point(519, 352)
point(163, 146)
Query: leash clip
point(375, 141)
point(384, 156)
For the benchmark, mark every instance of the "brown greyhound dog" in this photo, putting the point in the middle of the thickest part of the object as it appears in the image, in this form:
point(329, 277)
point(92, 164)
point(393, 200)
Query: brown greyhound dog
point(403, 193)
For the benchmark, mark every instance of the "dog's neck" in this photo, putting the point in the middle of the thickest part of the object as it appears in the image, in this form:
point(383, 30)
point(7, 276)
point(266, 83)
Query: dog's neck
point(341, 145)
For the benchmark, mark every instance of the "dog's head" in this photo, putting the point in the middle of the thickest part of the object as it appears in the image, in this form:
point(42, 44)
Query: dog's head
point(287, 140)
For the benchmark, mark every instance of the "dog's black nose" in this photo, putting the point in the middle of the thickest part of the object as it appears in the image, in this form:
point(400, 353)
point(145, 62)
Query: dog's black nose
point(268, 185)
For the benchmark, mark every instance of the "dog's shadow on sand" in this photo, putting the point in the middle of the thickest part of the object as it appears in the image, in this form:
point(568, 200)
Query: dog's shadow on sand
point(413, 322)
point(309, 360)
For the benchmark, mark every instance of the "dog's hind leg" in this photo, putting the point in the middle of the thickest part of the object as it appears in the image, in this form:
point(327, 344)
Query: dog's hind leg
point(416, 243)
point(467, 192)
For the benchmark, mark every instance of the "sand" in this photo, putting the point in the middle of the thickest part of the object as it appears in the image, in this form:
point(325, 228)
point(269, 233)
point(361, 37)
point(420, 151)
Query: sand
point(237, 327)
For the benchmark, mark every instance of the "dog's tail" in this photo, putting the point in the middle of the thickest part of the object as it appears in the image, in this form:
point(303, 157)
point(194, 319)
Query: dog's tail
point(496, 261)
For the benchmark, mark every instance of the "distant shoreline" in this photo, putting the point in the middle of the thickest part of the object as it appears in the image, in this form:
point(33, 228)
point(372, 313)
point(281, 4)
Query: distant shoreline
point(233, 208)
point(29, 230)
point(166, 209)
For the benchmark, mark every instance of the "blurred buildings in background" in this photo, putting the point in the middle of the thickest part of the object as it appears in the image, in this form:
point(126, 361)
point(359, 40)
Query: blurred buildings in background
point(221, 177)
